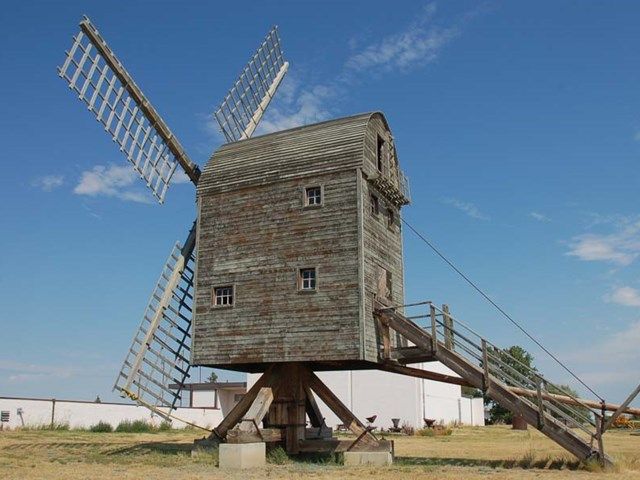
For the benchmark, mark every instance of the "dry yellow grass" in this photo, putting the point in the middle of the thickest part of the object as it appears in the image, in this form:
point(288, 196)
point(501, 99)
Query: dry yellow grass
point(469, 453)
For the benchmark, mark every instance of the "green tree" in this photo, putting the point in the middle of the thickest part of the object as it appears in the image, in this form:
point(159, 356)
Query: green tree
point(213, 377)
point(521, 361)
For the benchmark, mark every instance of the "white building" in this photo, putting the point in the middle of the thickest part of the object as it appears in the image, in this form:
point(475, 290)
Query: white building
point(365, 392)
point(389, 395)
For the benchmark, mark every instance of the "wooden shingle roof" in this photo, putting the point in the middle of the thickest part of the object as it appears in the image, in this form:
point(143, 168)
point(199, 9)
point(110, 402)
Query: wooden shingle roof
point(322, 147)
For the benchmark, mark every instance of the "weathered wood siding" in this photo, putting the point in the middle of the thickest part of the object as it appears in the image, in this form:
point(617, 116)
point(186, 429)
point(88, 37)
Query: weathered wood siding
point(382, 245)
point(256, 240)
point(254, 233)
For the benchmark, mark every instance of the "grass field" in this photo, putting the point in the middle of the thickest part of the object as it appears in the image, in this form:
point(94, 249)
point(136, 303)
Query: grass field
point(469, 453)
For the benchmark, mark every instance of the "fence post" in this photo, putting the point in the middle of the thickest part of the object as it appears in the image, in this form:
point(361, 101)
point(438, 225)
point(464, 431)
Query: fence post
point(448, 327)
point(540, 403)
point(485, 365)
point(53, 413)
point(434, 329)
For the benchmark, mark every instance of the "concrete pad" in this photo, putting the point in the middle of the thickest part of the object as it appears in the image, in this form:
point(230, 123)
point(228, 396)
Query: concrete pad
point(239, 456)
point(377, 459)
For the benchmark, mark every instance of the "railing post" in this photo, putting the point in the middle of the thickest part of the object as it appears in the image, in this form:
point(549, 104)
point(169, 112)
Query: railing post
point(434, 329)
point(486, 380)
point(599, 432)
point(448, 327)
point(540, 403)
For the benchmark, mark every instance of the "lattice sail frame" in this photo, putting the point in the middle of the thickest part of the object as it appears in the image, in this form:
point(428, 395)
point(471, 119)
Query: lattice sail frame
point(160, 351)
point(104, 86)
point(243, 107)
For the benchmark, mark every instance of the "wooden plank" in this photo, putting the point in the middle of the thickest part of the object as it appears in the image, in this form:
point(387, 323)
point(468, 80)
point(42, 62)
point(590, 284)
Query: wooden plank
point(237, 412)
point(262, 435)
point(427, 375)
point(313, 411)
point(257, 411)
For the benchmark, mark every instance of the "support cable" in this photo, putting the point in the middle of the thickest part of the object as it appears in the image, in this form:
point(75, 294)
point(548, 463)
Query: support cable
point(497, 307)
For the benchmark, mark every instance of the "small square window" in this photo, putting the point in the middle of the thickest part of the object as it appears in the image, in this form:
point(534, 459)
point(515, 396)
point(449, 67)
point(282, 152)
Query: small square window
point(375, 205)
point(313, 196)
point(223, 296)
point(307, 279)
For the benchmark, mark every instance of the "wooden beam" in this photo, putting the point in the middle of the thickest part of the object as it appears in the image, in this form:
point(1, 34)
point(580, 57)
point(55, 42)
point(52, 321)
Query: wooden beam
point(339, 408)
point(261, 435)
point(621, 409)
point(237, 412)
point(578, 402)
point(313, 411)
point(417, 372)
point(259, 408)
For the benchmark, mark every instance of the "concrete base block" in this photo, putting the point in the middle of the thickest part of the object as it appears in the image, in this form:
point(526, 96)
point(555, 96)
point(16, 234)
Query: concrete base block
point(238, 456)
point(377, 459)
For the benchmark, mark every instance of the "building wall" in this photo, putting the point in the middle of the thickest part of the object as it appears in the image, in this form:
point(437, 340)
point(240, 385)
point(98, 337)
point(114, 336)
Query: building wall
point(256, 239)
point(388, 395)
point(38, 412)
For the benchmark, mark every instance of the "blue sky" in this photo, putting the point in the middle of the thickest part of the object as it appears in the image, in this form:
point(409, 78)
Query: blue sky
point(517, 123)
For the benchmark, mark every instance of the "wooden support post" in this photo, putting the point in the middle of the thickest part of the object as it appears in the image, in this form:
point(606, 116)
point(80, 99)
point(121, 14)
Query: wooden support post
point(540, 403)
point(237, 412)
point(621, 409)
point(448, 327)
point(486, 379)
point(386, 338)
point(600, 429)
point(341, 411)
point(434, 329)
point(251, 420)
point(313, 411)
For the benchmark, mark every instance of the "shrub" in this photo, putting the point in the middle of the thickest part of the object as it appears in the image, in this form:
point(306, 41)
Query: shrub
point(135, 426)
point(101, 427)
point(164, 426)
point(407, 429)
point(277, 456)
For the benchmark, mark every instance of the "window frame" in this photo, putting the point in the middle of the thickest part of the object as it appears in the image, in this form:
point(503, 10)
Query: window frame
point(214, 296)
point(374, 200)
point(300, 280)
point(391, 219)
point(305, 196)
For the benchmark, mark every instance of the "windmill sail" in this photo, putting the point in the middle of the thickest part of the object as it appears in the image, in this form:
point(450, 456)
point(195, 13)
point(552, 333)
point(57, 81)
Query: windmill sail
point(160, 351)
point(246, 102)
point(92, 70)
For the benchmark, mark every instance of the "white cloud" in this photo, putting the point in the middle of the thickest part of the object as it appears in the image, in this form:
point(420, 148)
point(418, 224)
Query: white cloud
point(112, 181)
point(468, 208)
point(627, 296)
point(179, 177)
point(621, 247)
point(298, 106)
point(419, 44)
point(614, 360)
point(48, 183)
point(541, 217)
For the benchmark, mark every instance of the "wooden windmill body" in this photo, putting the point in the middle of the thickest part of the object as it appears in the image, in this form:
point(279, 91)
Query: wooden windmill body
point(298, 234)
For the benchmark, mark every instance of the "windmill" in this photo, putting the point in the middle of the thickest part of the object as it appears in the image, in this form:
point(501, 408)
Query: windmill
point(295, 265)
point(160, 351)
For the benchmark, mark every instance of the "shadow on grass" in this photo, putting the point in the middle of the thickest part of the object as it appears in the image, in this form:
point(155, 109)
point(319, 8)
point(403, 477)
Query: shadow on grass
point(154, 447)
point(526, 462)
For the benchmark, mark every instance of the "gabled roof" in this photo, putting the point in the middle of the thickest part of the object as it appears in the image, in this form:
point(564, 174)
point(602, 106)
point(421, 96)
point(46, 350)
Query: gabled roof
point(322, 147)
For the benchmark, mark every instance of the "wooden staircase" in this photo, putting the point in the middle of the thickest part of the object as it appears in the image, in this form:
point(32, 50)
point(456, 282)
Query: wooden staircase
point(522, 390)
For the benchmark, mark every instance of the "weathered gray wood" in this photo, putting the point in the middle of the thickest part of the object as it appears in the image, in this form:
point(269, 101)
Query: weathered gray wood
point(257, 410)
point(261, 435)
point(254, 233)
